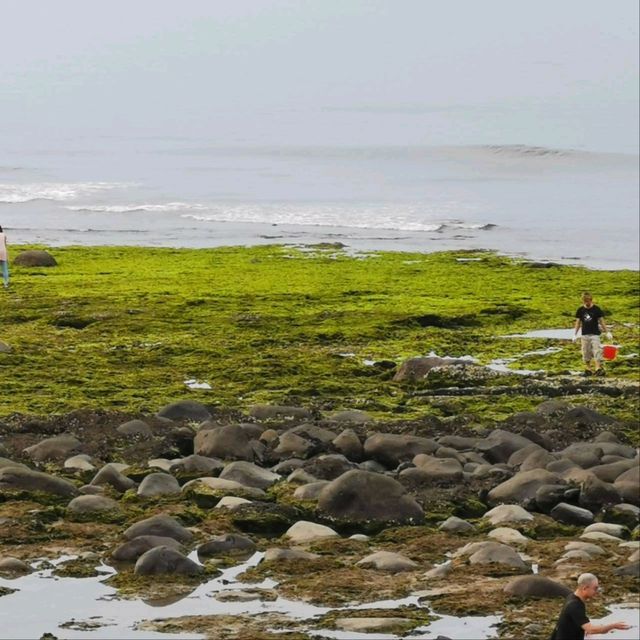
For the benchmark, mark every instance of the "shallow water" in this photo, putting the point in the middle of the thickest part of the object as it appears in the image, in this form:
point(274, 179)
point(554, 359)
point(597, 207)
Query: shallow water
point(90, 609)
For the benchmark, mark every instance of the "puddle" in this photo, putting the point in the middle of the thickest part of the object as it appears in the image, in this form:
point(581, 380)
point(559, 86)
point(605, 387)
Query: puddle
point(628, 613)
point(554, 334)
point(87, 608)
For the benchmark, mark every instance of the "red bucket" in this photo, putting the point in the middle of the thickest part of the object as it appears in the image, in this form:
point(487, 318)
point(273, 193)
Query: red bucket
point(609, 351)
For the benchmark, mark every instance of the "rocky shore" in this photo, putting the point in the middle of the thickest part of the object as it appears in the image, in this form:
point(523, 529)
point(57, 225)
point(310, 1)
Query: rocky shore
point(346, 509)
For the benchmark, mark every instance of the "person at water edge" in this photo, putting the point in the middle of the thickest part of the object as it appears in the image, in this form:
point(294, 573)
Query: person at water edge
point(573, 622)
point(4, 258)
point(590, 320)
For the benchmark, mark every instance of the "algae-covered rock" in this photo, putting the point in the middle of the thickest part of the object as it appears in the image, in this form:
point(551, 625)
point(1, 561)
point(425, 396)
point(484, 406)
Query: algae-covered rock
point(23, 479)
point(264, 518)
point(83, 505)
point(35, 258)
point(135, 429)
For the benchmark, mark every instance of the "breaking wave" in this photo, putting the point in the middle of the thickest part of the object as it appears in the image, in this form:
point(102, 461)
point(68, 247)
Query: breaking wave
point(59, 191)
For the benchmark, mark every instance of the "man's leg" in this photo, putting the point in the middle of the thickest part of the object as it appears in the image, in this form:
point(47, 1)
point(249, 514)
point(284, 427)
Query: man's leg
point(587, 354)
point(596, 348)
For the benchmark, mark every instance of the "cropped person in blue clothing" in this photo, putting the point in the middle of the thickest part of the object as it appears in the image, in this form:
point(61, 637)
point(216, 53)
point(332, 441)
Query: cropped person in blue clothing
point(573, 622)
point(590, 319)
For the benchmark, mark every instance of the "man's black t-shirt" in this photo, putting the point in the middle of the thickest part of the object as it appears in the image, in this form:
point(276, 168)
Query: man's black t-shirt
point(572, 617)
point(589, 318)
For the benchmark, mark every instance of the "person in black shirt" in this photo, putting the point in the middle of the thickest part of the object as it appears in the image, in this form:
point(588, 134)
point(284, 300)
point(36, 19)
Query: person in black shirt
point(573, 622)
point(590, 319)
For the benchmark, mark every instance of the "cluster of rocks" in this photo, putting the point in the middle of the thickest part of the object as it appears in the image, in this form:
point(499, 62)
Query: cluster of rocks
point(282, 471)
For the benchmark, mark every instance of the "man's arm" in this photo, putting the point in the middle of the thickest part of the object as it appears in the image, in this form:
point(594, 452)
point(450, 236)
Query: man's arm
point(576, 328)
point(604, 628)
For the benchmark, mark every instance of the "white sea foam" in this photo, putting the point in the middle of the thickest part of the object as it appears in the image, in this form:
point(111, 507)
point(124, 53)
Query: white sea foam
point(126, 208)
point(59, 191)
point(388, 217)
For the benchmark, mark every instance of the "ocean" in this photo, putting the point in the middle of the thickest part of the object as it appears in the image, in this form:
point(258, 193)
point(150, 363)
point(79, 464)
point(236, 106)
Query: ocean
point(561, 205)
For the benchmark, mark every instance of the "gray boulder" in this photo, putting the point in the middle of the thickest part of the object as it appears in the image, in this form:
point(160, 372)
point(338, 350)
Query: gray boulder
point(161, 560)
point(391, 449)
point(197, 465)
point(226, 544)
point(109, 475)
point(387, 561)
point(160, 525)
point(185, 410)
point(349, 445)
point(135, 428)
point(23, 479)
point(415, 369)
point(454, 524)
point(364, 496)
point(570, 514)
point(228, 443)
point(130, 551)
point(628, 485)
point(249, 474)
point(536, 587)
point(328, 467)
point(500, 445)
point(595, 494)
point(92, 504)
point(56, 448)
point(521, 489)
point(158, 484)
point(497, 553)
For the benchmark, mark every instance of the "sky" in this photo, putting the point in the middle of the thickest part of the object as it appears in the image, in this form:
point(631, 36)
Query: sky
point(349, 72)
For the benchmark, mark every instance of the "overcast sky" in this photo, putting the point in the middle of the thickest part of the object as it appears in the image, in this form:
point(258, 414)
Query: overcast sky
point(207, 67)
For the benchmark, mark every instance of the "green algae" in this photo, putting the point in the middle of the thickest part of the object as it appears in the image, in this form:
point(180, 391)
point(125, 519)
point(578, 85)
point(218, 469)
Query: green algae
point(123, 328)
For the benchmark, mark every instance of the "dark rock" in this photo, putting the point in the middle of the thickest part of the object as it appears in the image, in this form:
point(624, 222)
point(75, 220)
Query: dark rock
point(161, 560)
point(349, 445)
point(196, 466)
point(130, 551)
point(109, 475)
point(391, 449)
point(264, 518)
point(249, 475)
point(632, 569)
point(56, 448)
point(362, 496)
point(628, 484)
point(500, 445)
point(522, 488)
point(623, 513)
point(549, 495)
point(185, 410)
point(135, 428)
point(417, 368)
point(23, 479)
point(570, 514)
point(595, 494)
point(328, 467)
point(160, 525)
point(536, 587)
point(228, 443)
point(226, 544)
point(158, 484)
